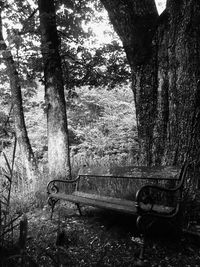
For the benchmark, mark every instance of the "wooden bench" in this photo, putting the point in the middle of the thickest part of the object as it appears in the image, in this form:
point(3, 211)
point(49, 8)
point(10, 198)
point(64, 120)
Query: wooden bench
point(98, 190)
point(147, 193)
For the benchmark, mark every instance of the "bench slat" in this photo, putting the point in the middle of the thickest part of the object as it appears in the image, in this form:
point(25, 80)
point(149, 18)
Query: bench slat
point(105, 198)
point(112, 205)
point(134, 172)
point(117, 204)
point(156, 208)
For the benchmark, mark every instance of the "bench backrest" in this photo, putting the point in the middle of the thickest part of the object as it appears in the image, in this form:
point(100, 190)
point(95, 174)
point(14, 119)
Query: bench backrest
point(120, 181)
point(136, 172)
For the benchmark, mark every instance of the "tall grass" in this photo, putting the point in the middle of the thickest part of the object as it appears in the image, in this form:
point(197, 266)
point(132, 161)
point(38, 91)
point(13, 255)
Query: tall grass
point(100, 164)
point(23, 197)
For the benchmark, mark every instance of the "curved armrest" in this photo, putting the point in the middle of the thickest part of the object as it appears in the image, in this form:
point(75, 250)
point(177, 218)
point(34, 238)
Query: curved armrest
point(52, 186)
point(160, 201)
point(157, 200)
point(156, 187)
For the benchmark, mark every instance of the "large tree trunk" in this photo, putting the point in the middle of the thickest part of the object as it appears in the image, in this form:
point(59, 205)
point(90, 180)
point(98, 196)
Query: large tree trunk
point(135, 22)
point(27, 156)
point(164, 55)
point(183, 76)
point(58, 146)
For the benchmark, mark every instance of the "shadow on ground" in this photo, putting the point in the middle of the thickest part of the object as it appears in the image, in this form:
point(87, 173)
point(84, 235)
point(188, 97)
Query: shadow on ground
point(102, 238)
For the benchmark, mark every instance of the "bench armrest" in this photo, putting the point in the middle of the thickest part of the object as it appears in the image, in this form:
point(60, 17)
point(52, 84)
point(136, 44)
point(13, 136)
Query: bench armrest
point(161, 201)
point(52, 186)
point(158, 201)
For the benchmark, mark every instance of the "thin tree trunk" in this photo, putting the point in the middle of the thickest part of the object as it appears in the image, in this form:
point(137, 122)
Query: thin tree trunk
point(58, 144)
point(27, 155)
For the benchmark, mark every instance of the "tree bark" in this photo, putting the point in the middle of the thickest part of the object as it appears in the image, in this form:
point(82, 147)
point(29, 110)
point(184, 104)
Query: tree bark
point(163, 52)
point(28, 159)
point(135, 22)
point(178, 77)
point(58, 144)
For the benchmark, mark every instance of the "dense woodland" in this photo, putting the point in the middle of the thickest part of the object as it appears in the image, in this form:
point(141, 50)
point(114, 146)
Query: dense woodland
point(75, 93)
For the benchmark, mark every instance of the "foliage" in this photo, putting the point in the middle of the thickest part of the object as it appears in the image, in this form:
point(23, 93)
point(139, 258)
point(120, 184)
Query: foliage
point(6, 121)
point(86, 59)
point(105, 65)
point(103, 120)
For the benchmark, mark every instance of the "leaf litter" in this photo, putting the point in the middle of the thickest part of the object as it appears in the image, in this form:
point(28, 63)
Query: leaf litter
point(100, 238)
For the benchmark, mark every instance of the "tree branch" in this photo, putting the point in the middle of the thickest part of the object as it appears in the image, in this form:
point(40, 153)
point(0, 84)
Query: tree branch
point(135, 23)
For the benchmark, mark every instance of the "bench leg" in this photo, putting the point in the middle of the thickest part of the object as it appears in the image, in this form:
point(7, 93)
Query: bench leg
point(141, 261)
point(52, 210)
point(79, 209)
point(52, 202)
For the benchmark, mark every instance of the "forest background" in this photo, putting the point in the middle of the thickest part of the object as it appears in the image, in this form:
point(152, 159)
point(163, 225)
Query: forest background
point(116, 113)
point(98, 83)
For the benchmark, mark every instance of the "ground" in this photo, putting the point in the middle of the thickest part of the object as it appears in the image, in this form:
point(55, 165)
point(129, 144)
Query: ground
point(99, 238)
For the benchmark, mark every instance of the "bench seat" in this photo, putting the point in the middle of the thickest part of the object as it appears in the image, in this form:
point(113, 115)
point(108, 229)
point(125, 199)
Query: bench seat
point(119, 205)
point(111, 203)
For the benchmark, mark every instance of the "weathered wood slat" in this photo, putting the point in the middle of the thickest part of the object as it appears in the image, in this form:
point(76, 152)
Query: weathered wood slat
point(134, 172)
point(112, 205)
point(105, 198)
point(119, 201)
point(117, 204)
